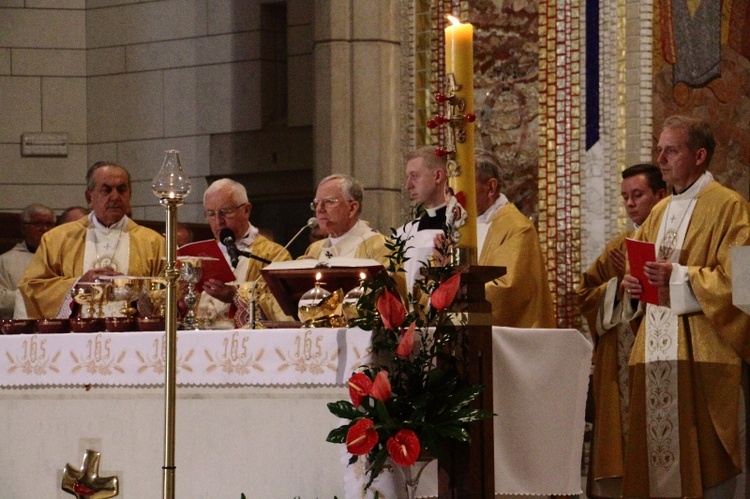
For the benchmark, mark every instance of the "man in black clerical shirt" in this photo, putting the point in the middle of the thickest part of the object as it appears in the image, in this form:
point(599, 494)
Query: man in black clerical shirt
point(426, 181)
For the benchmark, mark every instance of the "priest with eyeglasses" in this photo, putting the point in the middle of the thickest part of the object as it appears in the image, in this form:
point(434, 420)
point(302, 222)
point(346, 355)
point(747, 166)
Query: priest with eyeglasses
point(227, 211)
point(337, 206)
point(103, 244)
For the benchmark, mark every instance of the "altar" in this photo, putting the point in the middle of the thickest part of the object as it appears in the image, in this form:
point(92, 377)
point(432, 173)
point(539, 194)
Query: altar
point(251, 410)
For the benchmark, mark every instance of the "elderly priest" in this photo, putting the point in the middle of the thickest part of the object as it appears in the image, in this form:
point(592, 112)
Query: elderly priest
point(337, 205)
point(105, 243)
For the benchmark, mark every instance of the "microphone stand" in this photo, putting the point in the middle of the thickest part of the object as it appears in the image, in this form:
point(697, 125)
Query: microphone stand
point(247, 254)
point(310, 223)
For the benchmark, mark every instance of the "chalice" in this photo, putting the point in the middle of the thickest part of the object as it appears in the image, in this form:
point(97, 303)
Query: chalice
point(125, 289)
point(191, 271)
point(92, 295)
point(82, 295)
point(152, 298)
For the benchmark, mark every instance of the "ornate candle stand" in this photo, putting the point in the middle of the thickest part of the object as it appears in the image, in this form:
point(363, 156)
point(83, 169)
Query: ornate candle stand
point(170, 185)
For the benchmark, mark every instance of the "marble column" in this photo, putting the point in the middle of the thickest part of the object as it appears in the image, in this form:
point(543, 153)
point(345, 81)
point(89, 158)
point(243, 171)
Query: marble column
point(357, 57)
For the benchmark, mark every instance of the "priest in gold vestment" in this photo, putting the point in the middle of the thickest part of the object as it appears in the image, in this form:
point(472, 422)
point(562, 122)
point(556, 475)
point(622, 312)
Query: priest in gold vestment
point(642, 187)
point(506, 238)
point(686, 403)
point(337, 206)
point(106, 243)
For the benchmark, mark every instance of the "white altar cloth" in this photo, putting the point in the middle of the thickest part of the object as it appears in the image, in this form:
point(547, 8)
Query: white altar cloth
point(251, 410)
point(204, 358)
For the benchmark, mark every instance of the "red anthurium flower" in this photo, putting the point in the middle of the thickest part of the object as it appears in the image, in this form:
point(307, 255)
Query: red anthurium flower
point(446, 292)
point(404, 447)
point(406, 345)
point(361, 437)
point(391, 310)
point(359, 388)
point(381, 386)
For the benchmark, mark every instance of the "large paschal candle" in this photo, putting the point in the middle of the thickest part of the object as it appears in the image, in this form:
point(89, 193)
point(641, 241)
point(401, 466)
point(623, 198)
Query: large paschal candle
point(459, 61)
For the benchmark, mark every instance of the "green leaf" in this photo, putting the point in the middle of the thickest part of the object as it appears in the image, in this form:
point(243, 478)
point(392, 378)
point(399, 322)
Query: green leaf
point(338, 435)
point(344, 409)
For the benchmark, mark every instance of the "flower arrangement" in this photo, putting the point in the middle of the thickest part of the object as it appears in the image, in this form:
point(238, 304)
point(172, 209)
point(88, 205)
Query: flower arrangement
point(415, 396)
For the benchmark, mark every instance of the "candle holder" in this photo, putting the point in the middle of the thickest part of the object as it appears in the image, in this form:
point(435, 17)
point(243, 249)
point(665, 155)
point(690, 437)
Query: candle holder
point(170, 185)
point(246, 302)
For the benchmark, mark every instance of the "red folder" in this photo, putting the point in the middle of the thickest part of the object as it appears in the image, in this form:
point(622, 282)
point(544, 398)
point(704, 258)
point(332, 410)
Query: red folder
point(640, 252)
point(211, 269)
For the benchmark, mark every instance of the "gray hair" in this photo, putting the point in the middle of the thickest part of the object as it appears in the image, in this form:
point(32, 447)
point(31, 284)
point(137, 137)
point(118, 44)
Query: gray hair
point(239, 193)
point(35, 209)
point(487, 166)
point(699, 133)
point(101, 164)
point(350, 187)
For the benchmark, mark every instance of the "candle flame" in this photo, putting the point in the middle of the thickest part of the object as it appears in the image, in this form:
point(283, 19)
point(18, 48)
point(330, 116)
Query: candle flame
point(453, 19)
point(318, 276)
point(362, 275)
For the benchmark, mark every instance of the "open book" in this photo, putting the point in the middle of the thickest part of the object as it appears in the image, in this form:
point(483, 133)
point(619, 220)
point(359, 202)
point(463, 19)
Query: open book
point(335, 262)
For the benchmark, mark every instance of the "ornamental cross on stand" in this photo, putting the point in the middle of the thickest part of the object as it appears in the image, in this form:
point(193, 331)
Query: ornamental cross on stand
point(86, 482)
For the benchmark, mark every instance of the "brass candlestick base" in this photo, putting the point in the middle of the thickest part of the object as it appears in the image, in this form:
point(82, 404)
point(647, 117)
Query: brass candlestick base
point(86, 482)
point(461, 255)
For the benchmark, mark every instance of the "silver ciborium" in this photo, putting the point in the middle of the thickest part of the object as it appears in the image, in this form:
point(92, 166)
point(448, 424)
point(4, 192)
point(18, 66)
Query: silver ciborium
point(125, 289)
point(191, 271)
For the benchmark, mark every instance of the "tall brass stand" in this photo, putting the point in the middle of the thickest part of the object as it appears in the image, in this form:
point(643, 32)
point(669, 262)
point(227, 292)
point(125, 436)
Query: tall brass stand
point(170, 373)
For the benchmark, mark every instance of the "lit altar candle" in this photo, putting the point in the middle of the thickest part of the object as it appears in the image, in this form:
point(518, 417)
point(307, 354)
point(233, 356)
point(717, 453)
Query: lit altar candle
point(459, 61)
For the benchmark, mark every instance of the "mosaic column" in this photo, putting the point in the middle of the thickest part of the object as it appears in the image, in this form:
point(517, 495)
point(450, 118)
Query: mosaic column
point(559, 151)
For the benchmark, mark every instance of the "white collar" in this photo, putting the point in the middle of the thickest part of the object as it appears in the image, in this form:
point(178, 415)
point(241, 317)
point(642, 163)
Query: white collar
point(120, 225)
point(433, 211)
point(246, 240)
point(694, 189)
point(485, 217)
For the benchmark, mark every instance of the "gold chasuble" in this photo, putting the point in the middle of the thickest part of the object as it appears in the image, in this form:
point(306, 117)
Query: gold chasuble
point(360, 242)
point(521, 298)
point(613, 341)
point(685, 369)
point(265, 248)
point(58, 263)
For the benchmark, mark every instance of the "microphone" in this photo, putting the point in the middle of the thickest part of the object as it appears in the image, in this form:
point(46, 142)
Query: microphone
point(312, 222)
point(226, 236)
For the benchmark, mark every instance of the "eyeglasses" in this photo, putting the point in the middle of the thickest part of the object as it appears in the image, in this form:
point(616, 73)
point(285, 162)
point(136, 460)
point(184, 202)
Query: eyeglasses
point(38, 225)
point(223, 212)
point(326, 203)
